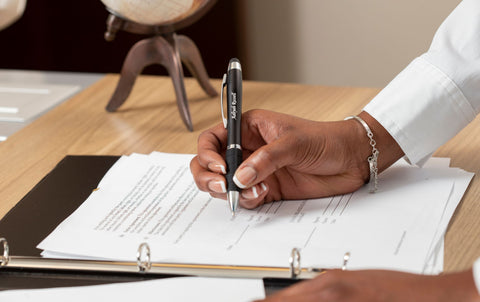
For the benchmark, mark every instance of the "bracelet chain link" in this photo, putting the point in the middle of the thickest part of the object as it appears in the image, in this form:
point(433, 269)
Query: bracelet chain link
point(372, 159)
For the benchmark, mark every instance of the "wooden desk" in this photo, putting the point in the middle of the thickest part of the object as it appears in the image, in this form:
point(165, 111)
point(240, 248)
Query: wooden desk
point(149, 121)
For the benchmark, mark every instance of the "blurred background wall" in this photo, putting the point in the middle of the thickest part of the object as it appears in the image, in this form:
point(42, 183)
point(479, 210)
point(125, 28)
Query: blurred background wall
point(337, 42)
point(327, 42)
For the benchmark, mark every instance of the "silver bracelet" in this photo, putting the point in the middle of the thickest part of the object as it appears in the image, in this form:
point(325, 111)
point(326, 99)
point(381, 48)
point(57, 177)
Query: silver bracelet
point(372, 159)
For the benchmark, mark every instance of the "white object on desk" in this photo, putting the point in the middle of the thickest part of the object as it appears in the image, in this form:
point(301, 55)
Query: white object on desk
point(21, 103)
point(38, 82)
point(9, 128)
point(169, 289)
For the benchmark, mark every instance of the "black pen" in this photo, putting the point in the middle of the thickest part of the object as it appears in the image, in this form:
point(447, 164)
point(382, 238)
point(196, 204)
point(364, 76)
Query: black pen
point(233, 80)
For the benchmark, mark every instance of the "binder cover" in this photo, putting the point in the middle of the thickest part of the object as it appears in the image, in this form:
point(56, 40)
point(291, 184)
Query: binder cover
point(52, 200)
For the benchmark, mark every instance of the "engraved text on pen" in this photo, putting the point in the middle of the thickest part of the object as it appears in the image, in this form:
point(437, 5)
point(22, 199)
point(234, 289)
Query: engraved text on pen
point(234, 106)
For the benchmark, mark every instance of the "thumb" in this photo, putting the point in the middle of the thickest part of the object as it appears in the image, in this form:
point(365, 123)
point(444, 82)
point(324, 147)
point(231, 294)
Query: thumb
point(264, 162)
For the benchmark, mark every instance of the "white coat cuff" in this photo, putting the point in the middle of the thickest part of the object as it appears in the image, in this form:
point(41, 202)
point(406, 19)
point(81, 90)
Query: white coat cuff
point(421, 108)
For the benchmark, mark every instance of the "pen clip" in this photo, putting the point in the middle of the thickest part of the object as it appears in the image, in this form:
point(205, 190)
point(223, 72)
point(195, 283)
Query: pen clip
point(224, 83)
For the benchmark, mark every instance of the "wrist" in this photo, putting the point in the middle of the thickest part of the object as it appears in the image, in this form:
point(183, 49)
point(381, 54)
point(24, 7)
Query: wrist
point(373, 158)
point(360, 147)
point(373, 147)
point(389, 149)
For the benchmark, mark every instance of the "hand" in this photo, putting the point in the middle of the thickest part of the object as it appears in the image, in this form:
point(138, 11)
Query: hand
point(379, 286)
point(291, 158)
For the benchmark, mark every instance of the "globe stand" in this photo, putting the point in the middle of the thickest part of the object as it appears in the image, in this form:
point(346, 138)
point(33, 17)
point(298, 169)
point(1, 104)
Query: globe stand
point(164, 47)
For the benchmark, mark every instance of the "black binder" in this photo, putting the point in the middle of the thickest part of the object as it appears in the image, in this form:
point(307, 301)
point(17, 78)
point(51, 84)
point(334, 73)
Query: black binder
point(51, 201)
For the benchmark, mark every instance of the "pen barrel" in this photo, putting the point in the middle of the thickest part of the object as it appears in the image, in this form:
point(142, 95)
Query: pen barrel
point(233, 154)
point(233, 157)
point(234, 105)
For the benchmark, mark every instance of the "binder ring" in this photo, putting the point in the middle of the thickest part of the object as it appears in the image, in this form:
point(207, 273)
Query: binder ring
point(5, 256)
point(346, 257)
point(143, 265)
point(295, 268)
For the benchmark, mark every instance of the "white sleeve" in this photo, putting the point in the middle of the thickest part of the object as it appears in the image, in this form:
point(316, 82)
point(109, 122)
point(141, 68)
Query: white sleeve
point(438, 93)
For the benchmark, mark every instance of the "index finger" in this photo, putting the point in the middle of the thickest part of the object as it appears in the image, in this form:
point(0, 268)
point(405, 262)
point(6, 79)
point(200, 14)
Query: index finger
point(211, 145)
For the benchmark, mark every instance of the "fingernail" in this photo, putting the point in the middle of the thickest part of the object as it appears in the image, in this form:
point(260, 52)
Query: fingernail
point(217, 167)
point(221, 167)
point(244, 176)
point(217, 186)
point(254, 191)
point(250, 193)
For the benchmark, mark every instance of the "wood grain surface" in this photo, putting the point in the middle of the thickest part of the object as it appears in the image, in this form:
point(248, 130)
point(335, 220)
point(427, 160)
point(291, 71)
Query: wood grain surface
point(149, 121)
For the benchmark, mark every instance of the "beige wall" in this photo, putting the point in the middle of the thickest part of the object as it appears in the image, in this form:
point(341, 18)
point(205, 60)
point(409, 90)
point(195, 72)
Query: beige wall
point(337, 42)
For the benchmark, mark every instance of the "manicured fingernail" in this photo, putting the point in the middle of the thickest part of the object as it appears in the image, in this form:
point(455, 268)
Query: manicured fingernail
point(217, 186)
point(217, 167)
point(250, 193)
point(254, 191)
point(244, 176)
point(222, 167)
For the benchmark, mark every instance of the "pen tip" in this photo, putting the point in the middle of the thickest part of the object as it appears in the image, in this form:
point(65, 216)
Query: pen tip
point(233, 197)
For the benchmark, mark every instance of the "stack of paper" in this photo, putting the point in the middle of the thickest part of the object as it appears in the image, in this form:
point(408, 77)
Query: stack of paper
point(153, 198)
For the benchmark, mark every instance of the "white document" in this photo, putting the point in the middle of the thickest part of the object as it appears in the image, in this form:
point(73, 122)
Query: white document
point(170, 289)
point(153, 199)
point(20, 103)
point(434, 264)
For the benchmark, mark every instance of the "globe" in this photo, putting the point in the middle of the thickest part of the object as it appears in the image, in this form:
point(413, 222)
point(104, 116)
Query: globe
point(10, 11)
point(154, 12)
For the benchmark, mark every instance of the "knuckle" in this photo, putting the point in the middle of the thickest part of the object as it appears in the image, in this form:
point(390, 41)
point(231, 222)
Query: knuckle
point(253, 116)
point(202, 135)
point(253, 112)
point(193, 163)
point(195, 168)
point(201, 179)
point(267, 157)
point(200, 184)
